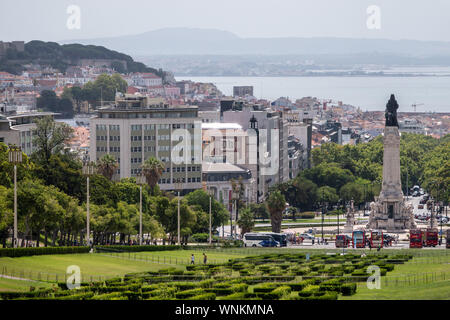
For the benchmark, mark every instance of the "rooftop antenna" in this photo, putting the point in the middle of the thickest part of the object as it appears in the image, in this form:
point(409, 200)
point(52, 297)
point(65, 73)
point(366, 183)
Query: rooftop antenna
point(414, 105)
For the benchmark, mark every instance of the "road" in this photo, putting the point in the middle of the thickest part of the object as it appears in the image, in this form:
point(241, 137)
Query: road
point(331, 226)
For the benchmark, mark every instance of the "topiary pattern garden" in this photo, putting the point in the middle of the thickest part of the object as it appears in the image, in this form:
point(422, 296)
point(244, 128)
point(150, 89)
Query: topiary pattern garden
point(264, 277)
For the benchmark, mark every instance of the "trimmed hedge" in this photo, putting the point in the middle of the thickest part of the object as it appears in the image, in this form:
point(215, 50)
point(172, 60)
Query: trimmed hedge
point(189, 293)
point(348, 289)
point(206, 296)
point(264, 287)
point(137, 248)
point(34, 251)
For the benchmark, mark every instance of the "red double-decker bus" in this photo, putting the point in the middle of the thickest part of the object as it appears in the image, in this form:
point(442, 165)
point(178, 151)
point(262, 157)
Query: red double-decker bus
point(376, 238)
point(430, 237)
point(359, 239)
point(342, 241)
point(447, 242)
point(415, 238)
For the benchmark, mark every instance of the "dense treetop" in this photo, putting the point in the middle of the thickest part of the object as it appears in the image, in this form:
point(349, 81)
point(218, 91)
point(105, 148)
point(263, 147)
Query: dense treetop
point(62, 56)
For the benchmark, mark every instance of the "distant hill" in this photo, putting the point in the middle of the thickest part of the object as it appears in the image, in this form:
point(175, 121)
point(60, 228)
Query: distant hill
point(62, 56)
point(185, 41)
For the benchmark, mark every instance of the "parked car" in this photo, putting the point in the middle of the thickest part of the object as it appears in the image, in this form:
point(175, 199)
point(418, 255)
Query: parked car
point(307, 236)
point(420, 206)
point(443, 220)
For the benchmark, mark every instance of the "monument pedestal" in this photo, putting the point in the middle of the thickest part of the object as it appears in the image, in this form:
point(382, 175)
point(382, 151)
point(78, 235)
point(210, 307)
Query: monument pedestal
point(389, 211)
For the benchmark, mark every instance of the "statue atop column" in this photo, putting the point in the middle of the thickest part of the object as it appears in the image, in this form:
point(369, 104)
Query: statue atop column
point(391, 112)
point(390, 211)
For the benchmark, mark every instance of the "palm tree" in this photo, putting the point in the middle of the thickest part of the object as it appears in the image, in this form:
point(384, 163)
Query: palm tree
point(107, 166)
point(276, 204)
point(152, 169)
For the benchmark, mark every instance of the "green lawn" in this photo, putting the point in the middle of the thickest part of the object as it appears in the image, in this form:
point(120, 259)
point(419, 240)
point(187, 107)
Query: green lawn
point(105, 265)
point(20, 285)
point(422, 278)
point(53, 267)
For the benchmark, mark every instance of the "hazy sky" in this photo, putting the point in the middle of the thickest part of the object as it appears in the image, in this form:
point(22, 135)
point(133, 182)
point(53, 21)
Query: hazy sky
point(400, 19)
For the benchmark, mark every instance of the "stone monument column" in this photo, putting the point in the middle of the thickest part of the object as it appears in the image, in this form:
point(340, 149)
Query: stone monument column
point(391, 194)
point(390, 211)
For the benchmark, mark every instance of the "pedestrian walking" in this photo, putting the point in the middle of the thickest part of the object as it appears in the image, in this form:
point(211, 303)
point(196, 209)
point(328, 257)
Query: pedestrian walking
point(205, 258)
point(192, 259)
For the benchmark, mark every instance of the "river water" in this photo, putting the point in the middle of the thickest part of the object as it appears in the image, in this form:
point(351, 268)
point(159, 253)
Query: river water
point(367, 92)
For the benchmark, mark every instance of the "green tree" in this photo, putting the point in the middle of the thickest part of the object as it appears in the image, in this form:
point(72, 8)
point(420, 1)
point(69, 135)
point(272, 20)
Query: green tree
point(327, 194)
point(62, 171)
point(47, 101)
point(259, 210)
point(107, 166)
point(246, 221)
point(49, 137)
point(65, 107)
point(152, 169)
point(276, 203)
point(7, 168)
point(218, 212)
point(352, 191)
point(6, 215)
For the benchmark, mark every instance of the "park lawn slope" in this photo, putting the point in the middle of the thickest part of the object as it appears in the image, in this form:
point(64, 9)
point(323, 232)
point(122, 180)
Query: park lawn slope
point(20, 285)
point(94, 265)
point(423, 290)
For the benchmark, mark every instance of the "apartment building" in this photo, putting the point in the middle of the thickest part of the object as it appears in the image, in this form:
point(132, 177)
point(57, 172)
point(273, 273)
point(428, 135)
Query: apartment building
point(133, 130)
point(242, 91)
point(18, 129)
point(272, 134)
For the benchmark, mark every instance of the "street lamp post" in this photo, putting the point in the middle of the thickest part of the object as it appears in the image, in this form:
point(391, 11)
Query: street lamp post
point(88, 169)
point(15, 157)
point(210, 228)
point(178, 187)
point(338, 216)
point(407, 184)
point(140, 180)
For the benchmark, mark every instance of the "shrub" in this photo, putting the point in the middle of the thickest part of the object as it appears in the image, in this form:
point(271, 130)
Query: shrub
point(305, 215)
point(185, 285)
point(206, 296)
point(107, 296)
point(200, 237)
point(206, 283)
point(331, 285)
point(219, 291)
point(162, 293)
point(299, 285)
point(189, 293)
point(349, 269)
point(301, 271)
point(348, 289)
point(80, 296)
point(136, 248)
point(236, 296)
point(239, 287)
point(331, 295)
point(22, 252)
point(264, 287)
point(308, 291)
point(389, 267)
